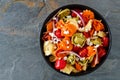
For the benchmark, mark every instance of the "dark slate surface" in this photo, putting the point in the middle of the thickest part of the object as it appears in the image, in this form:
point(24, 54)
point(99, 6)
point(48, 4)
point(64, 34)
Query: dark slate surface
point(20, 24)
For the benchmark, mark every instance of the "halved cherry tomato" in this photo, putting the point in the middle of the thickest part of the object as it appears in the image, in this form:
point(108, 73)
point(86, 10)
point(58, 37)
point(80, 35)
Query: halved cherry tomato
point(87, 34)
point(60, 64)
point(105, 41)
point(101, 52)
point(76, 49)
point(83, 53)
point(73, 14)
point(58, 33)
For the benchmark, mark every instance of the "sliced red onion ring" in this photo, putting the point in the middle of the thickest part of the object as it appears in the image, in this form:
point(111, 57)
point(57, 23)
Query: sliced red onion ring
point(71, 52)
point(79, 15)
point(55, 19)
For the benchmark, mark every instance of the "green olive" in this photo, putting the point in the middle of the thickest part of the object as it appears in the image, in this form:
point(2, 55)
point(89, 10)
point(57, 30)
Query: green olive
point(71, 59)
point(63, 13)
point(78, 39)
point(96, 41)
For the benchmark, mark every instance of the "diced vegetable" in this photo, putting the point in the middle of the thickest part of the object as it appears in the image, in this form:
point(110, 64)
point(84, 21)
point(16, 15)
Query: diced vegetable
point(52, 58)
point(60, 24)
point(101, 34)
point(91, 32)
point(73, 21)
point(83, 53)
point(91, 59)
point(87, 15)
point(68, 30)
point(73, 14)
point(98, 26)
point(105, 41)
point(60, 64)
point(91, 51)
point(49, 26)
point(78, 66)
point(85, 66)
point(68, 69)
point(58, 33)
point(86, 34)
point(101, 52)
point(88, 26)
point(60, 55)
point(48, 47)
point(65, 44)
point(76, 48)
point(71, 59)
point(79, 15)
point(46, 36)
point(63, 13)
point(96, 41)
point(78, 39)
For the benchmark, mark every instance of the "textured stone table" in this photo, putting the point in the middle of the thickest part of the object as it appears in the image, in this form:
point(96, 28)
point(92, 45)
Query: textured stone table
point(20, 24)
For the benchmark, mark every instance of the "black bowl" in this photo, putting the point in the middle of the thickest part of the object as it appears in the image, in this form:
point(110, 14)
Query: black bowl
point(97, 16)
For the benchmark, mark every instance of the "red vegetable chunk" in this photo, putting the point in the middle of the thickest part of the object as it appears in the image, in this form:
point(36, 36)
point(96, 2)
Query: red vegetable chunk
point(58, 33)
point(105, 41)
point(101, 52)
point(60, 64)
point(83, 53)
point(76, 49)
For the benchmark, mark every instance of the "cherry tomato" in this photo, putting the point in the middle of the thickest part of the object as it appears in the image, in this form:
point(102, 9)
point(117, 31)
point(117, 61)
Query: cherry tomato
point(105, 41)
point(73, 14)
point(83, 53)
point(87, 35)
point(58, 33)
point(101, 52)
point(60, 64)
point(76, 49)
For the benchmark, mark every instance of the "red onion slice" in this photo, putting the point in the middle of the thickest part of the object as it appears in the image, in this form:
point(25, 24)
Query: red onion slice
point(71, 52)
point(79, 15)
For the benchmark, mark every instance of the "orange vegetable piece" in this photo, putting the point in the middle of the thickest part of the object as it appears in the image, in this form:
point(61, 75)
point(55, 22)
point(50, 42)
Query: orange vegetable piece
point(65, 44)
point(91, 51)
point(92, 32)
point(57, 53)
point(60, 24)
point(70, 29)
point(87, 15)
point(78, 66)
point(98, 25)
point(49, 26)
point(46, 36)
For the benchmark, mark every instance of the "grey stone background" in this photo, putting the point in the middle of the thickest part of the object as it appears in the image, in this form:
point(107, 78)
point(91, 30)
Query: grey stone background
point(20, 24)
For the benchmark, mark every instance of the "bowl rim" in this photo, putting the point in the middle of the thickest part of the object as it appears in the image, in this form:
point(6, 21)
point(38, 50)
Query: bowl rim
point(103, 20)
